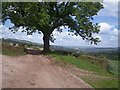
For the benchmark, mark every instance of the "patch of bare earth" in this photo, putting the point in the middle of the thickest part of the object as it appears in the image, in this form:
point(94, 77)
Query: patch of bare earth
point(38, 71)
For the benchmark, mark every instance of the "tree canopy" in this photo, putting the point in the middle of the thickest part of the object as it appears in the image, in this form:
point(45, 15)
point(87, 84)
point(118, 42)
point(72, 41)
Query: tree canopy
point(45, 17)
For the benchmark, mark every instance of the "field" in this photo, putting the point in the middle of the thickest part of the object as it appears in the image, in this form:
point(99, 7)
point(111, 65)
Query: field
point(103, 72)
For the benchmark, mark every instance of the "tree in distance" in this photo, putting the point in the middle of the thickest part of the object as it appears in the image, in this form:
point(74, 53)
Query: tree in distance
point(46, 17)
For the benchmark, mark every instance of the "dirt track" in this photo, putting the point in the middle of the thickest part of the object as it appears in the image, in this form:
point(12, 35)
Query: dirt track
point(31, 71)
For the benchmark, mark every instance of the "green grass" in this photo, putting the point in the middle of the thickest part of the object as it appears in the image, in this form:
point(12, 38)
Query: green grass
point(80, 63)
point(111, 82)
point(11, 50)
point(102, 83)
point(113, 66)
point(15, 52)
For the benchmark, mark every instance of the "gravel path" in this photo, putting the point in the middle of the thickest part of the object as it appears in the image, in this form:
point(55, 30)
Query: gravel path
point(37, 71)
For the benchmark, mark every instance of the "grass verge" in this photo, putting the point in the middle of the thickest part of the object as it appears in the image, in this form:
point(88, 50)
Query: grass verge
point(106, 80)
point(102, 83)
point(11, 50)
point(80, 63)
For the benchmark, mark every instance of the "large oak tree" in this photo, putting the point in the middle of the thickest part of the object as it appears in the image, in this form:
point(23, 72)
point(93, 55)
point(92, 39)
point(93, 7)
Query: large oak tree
point(46, 17)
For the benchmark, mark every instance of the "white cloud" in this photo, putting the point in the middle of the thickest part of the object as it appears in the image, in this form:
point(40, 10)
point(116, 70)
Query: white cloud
point(113, 38)
point(110, 8)
point(6, 33)
point(104, 27)
point(111, 0)
point(114, 35)
point(1, 26)
point(29, 36)
point(20, 29)
point(109, 38)
point(108, 35)
point(67, 40)
point(115, 32)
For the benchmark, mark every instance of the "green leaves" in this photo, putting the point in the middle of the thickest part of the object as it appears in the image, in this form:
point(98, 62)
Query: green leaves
point(46, 16)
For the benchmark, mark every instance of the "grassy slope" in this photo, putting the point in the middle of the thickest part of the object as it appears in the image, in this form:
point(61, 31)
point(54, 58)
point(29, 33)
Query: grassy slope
point(113, 66)
point(102, 83)
point(112, 82)
point(80, 63)
point(11, 51)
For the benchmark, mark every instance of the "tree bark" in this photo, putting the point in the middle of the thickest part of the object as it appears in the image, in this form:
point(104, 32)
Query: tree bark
point(46, 37)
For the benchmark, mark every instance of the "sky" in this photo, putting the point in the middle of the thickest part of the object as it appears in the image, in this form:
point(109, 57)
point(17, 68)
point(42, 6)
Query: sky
point(107, 19)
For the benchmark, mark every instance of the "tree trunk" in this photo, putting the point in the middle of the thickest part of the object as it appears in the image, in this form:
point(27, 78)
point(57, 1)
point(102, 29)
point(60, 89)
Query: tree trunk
point(46, 42)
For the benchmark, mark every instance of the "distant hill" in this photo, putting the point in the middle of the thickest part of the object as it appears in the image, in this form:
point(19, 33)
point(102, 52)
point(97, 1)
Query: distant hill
point(111, 53)
point(21, 41)
point(76, 48)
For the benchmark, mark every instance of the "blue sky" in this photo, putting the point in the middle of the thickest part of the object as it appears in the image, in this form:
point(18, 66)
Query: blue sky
point(107, 19)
